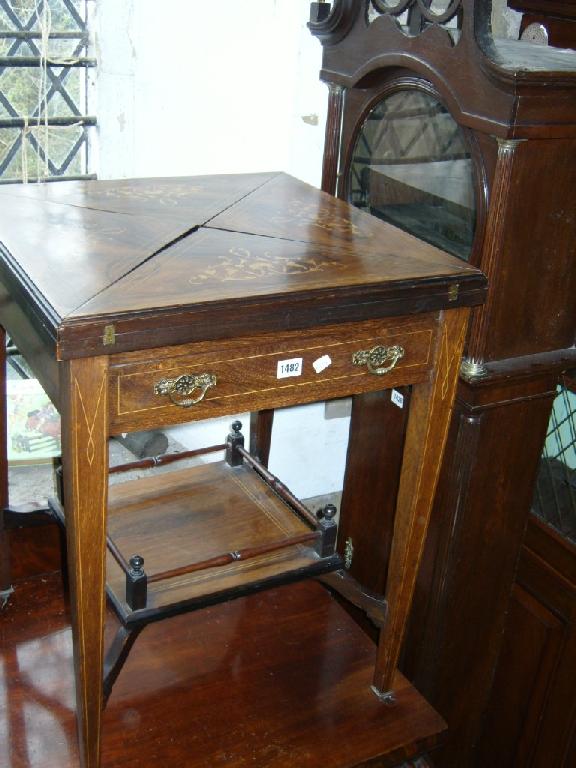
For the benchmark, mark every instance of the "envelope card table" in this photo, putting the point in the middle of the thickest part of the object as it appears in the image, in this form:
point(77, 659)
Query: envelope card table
point(155, 302)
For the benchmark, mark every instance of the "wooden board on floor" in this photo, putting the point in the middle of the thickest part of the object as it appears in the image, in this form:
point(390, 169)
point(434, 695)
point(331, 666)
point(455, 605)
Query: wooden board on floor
point(280, 679)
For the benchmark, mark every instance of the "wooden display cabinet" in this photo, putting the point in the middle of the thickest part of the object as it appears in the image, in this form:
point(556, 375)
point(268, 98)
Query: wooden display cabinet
point(506, 110)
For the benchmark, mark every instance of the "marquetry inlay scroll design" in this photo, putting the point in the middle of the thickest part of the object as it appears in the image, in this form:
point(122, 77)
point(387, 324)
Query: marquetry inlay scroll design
point(240, 264)
point(310, 214)
point(75, 226)
point(420, 13)
point(166, 195)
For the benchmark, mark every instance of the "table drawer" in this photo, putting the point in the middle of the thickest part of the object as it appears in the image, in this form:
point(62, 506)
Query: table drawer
point(268, 371)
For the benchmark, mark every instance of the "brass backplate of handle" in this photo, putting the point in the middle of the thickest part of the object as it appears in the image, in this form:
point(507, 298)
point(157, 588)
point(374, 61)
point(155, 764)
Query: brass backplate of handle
point(379, 360)
point(180, 389)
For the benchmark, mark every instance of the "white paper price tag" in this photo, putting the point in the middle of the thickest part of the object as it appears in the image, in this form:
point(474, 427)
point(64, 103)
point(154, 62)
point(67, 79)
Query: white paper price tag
point(287, 368)
point(322, 363)
point(397, 398)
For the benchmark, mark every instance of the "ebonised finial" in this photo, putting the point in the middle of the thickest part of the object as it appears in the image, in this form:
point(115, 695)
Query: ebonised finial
point(136, 563)
point(329, 512)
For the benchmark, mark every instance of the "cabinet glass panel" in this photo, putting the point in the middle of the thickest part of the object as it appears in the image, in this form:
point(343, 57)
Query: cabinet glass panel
point(555, 494)
point(411, 167)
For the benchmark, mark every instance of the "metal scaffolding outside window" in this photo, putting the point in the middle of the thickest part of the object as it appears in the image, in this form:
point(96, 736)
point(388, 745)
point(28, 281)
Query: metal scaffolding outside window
point(555, 495)
point(46, 70)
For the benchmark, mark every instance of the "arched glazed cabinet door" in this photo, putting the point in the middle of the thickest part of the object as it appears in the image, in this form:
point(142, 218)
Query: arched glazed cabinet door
point(411, 165)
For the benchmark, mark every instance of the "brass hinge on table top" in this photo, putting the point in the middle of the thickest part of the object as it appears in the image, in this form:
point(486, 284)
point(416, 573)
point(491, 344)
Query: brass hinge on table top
point(109, 336)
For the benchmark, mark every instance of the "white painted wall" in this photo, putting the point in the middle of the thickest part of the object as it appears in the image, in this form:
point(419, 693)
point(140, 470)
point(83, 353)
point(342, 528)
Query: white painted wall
point(188, 87)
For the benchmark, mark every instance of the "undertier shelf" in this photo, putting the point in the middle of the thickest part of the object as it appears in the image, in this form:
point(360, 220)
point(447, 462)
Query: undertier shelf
point(225, 525)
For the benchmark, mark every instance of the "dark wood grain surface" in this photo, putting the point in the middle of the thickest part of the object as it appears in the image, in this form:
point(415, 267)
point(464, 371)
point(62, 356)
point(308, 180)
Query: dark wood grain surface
point(187, 201)
point(216, 266)
point(500, 87)
point(530, 719)
point(192, 515)
point(246, 370)
point(289, 209)
point(180, 260)
point(278, 679)
point(556, 8)
point(68, 254)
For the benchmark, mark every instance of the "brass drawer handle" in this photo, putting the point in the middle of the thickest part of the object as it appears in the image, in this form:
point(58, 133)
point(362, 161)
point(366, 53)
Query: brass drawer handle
point(184, 386)
point(375, 359)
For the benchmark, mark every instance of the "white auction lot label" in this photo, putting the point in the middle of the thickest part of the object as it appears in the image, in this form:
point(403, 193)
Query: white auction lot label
point(322, 363)
point(287, 368)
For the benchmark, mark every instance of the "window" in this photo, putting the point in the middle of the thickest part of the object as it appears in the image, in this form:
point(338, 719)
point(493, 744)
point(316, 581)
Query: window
point(555, 494)
point(45, 79)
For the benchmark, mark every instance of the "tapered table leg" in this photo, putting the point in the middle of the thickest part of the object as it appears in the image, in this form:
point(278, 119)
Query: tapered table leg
point(85, 462)
point(430, 409)
point(261, 423)
point(5, 571)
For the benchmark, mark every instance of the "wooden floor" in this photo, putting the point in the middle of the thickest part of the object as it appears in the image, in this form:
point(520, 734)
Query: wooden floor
point(277, 680)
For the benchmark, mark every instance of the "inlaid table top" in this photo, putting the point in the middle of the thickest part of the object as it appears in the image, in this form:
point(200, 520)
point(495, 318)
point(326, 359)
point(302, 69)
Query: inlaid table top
point(149, 262)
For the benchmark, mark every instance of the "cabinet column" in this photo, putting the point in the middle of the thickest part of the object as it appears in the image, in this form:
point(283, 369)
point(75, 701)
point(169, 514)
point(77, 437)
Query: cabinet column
point(332, 139)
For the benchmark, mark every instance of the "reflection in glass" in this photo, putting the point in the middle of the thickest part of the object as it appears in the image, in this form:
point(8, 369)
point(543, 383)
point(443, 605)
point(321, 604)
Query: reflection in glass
point(439, 7)
point(434, 7)
point(555, 495)
point(412, 168)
